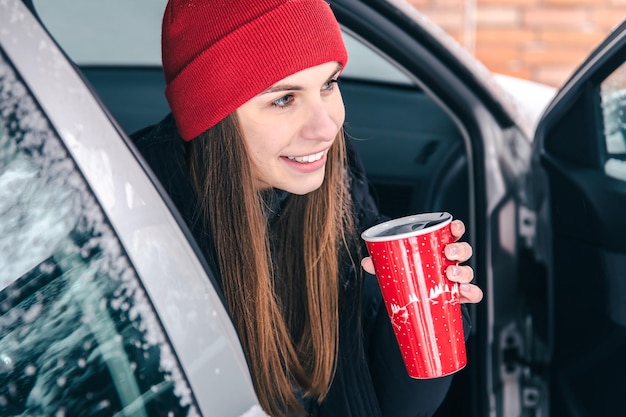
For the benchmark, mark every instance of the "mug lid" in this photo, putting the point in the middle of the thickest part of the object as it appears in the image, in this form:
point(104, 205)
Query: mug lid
point(409, 226)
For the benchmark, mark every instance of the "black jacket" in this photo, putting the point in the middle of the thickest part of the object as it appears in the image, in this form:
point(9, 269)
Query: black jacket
point(371, 379)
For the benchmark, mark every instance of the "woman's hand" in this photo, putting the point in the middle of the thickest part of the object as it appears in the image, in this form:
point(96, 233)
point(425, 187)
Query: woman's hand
point(463, 274)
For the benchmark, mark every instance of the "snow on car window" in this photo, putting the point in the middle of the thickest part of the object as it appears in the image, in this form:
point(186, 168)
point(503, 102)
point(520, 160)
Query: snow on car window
point(613, 101)
point(78, 335)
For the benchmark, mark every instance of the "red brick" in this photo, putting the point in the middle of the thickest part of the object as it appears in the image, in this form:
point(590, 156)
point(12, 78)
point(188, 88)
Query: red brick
point(524, 3)
point(498, 16)
point(562, 56)
point(495, 53)
point(447, 19)
point(574, 3)
point(504, 35)
point(607, 18)
point(542, 40)
point(555, 17)
point(586, 39)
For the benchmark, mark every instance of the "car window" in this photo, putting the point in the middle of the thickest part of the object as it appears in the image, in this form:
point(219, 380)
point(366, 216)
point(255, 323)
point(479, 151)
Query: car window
point(366, 64)
point(121, 32)
point(78, 335)
point(112, 32)
point(613, 102)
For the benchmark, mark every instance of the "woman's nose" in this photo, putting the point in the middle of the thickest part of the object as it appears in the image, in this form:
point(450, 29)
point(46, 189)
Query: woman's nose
point(323, 122)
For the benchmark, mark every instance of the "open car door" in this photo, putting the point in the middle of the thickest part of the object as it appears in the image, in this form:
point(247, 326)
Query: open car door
point(579, 186)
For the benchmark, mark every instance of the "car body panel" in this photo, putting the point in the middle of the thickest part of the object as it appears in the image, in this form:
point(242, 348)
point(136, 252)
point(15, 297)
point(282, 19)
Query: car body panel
point(189, 308)
point(530, 99)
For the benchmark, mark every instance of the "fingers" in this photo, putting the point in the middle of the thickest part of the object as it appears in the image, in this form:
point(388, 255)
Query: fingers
point(462, 274)
point(457, 227)
point(470, 293)
point(459, 251)
point(368, 265)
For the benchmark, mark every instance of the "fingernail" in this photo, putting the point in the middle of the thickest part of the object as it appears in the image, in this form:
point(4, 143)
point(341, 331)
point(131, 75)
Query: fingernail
point(455, 271)
point(464, 287)
point(452, 249)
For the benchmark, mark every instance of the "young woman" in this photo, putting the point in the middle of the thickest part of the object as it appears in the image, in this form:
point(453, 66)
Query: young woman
point(255, 158)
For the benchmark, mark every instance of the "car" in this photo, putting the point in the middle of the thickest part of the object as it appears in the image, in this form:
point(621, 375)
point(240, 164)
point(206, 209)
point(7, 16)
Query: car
point(107, 307)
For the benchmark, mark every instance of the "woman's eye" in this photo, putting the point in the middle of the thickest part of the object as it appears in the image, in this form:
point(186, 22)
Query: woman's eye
point(330, 85)
point(284, 101)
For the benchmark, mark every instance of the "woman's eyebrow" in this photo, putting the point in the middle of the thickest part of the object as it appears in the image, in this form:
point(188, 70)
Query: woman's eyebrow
point(292, 87)
point(282, 87)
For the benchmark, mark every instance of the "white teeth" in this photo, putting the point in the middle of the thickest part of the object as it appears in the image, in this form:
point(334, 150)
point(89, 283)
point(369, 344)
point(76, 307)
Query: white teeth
point(307, 158)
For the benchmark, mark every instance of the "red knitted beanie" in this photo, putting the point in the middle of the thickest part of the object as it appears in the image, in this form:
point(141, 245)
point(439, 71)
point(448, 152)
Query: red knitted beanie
point(218, 54)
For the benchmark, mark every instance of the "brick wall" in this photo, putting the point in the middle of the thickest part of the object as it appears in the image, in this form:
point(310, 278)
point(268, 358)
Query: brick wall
point(541, 40)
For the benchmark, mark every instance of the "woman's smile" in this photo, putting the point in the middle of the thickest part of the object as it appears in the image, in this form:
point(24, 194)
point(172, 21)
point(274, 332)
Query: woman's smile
point(308, 163)
point(307, 158)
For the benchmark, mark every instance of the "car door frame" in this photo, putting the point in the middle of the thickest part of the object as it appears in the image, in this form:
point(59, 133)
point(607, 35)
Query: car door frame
point(498, 153)
point(178, 283)
point(580, 227)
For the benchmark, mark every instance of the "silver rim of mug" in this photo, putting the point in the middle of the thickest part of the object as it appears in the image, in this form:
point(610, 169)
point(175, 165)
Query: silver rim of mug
point(427, 222)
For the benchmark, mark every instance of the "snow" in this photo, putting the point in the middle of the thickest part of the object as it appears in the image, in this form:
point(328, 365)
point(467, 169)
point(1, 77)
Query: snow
point(76, 325)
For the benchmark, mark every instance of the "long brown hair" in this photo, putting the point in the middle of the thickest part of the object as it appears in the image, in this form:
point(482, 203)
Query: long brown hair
point(284, 298)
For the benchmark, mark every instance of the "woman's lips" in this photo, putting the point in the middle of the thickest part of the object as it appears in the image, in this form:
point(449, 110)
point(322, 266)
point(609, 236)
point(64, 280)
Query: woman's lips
point(307, 163)
point(307, 158)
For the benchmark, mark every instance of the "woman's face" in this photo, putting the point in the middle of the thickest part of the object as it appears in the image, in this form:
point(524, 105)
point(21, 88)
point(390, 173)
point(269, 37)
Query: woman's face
point(289, 128)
